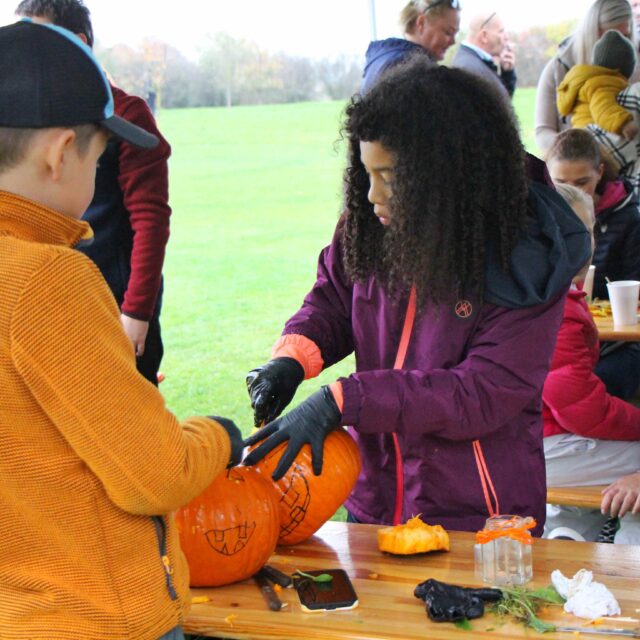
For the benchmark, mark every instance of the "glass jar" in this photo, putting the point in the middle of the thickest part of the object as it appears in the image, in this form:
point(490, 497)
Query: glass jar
point(503, 552)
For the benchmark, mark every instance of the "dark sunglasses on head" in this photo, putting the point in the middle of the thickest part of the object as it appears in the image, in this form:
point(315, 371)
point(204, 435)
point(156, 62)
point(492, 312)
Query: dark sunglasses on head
point(488, 20)
point(432, 4)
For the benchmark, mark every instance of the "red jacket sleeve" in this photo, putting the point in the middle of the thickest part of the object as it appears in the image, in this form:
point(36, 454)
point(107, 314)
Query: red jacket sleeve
point(575, 397)
point(143, 177)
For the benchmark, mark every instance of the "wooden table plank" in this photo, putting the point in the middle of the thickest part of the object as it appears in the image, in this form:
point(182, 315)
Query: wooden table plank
point(385, 584)
point(586, 497)
point(607, 332)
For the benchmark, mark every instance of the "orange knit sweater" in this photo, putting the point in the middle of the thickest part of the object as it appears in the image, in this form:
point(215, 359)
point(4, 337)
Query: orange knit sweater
point(88, 452)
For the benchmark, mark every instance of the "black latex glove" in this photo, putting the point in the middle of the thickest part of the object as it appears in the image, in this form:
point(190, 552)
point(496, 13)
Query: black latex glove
point(272, 386)
point(449, 603)
point(309, 423)
point(235, 437)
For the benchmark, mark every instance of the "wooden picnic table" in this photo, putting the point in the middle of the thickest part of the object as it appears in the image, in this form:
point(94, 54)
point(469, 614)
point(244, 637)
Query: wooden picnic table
point(608, 333)
point(586, 497)
point(384, 584)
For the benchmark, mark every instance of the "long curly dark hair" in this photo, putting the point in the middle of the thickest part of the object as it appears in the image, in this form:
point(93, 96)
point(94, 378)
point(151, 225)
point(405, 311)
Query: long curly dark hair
point(459, 182)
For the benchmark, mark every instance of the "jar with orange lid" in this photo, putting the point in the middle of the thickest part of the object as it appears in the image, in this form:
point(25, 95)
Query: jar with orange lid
point(503, 550)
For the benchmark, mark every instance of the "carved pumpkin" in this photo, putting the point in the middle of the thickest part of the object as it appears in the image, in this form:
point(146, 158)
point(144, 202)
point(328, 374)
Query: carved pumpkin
point(229, 531)
point(307, 501)
point(415, 536)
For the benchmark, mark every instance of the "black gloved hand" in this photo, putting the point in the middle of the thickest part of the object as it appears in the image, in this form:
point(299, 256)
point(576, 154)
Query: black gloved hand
point(309, 423)
point(235, 437)
point(272, 386)
point(449, 603)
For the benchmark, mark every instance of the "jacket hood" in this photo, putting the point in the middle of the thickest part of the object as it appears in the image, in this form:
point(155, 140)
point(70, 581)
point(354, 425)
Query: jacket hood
point(569, 89)
point(553, 248)
point(385, 53)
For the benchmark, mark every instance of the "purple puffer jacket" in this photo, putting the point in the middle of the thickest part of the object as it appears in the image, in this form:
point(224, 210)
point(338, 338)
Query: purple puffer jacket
point(464, 379)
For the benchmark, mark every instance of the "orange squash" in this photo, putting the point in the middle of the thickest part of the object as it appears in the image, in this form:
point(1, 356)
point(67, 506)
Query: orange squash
point(413, 537)
point(229, 531)
point(307, 501)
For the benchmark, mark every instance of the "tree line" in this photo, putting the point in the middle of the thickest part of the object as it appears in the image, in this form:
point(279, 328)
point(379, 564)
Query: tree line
point(231, 71)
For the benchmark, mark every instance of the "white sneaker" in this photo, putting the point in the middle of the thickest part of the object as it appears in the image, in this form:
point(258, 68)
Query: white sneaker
point(565, 533)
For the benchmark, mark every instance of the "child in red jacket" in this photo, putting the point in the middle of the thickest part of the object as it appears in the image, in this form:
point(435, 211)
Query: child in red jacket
point(591, 437)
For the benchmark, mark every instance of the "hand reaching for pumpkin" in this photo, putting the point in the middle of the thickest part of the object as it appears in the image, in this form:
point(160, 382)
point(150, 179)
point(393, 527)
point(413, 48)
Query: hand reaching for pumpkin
point(272, 386)
point(309, 423)
point(235, 438)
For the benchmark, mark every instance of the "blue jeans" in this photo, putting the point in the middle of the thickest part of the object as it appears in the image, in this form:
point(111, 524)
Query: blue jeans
point(174, 634)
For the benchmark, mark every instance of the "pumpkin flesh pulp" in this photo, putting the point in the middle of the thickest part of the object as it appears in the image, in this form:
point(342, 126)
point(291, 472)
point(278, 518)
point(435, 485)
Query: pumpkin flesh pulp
point(413, 537)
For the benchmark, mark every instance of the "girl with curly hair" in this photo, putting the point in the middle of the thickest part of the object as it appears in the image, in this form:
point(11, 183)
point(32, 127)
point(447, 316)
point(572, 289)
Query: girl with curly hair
point(446, 275)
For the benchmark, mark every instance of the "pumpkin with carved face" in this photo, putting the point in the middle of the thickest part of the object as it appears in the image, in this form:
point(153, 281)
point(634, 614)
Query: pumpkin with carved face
point(307, 501)
point(229, 531)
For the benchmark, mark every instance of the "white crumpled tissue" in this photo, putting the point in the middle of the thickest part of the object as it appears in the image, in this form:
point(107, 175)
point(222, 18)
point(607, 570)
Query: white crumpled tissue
point(584, 597)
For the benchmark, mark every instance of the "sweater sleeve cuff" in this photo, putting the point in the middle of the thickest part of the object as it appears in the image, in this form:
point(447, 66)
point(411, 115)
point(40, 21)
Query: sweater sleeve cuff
point(300, 348)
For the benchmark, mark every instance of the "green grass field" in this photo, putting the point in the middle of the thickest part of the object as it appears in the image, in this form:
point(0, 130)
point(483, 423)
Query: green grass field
point(255, 193)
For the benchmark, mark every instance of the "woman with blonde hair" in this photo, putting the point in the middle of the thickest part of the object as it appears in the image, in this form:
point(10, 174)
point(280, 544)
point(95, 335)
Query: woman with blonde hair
point(429, 27)
point(577, 49)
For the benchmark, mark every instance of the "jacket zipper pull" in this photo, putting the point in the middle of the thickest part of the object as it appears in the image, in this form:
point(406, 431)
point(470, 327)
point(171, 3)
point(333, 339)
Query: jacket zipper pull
point(167, 565)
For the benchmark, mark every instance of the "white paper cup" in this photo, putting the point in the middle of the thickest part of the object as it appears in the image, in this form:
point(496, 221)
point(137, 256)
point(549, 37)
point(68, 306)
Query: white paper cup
point(623, 296)
point(587, 287)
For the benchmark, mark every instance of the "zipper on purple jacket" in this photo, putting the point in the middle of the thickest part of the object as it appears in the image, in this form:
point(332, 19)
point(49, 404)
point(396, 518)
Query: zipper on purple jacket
point(409, 319)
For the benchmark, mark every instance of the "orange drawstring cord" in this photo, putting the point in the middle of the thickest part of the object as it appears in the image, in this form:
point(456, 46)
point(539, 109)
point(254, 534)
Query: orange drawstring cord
point(507, 529)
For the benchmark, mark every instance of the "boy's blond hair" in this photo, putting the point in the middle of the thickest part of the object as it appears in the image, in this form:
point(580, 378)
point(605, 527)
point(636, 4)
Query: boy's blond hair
point(572, 195)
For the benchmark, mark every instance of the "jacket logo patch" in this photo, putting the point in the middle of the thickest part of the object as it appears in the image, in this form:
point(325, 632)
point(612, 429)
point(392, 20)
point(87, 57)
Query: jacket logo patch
point(463, 309)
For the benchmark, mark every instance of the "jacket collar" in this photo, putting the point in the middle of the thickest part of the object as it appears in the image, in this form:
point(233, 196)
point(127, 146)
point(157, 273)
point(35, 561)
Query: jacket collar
point(28, 220)
point(481, 53)
point(615, 196)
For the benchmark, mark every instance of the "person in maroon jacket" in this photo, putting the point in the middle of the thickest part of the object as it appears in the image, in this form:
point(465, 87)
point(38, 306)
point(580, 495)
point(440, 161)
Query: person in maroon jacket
point(590, 436)
point(130, 212)
point(446, 276)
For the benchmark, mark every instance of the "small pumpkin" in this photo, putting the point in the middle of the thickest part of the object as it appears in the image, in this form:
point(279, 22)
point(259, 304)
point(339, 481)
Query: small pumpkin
point(229, 531)
point(307, 501)
point(415, 536)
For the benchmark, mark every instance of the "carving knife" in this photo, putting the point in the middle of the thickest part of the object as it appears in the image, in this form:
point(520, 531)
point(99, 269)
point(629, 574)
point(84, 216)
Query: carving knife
point(628, 633)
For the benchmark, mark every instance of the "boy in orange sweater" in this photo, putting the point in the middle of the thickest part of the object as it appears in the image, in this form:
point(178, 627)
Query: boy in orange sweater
point(92, 463)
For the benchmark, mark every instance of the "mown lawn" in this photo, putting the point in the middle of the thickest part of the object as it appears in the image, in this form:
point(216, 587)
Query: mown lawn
point(255, 193)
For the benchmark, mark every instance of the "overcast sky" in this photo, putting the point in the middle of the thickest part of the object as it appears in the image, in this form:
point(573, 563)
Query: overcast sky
point(314, 29)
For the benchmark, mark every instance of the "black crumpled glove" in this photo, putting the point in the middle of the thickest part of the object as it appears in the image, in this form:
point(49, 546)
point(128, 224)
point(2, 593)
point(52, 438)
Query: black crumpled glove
point(235, 437)
point(449, 603)
point(309, 423)
point(272, 386)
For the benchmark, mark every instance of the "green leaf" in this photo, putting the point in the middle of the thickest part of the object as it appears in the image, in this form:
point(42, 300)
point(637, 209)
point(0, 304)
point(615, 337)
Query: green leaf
point(463, 624)
point(323, 577)
point(539, 625)
point(547, 594)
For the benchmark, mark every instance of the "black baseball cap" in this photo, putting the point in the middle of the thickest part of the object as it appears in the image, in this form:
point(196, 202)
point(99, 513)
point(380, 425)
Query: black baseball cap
point(50, 78)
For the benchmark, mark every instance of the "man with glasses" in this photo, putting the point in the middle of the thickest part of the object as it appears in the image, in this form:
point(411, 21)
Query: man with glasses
point(487, 53)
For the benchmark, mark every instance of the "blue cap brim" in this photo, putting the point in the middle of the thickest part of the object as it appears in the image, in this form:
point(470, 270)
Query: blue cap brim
point(129, 132)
